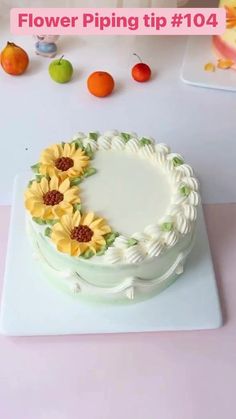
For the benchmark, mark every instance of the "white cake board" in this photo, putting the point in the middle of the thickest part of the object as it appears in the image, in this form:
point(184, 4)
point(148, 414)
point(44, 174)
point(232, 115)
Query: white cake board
point(32, 306)
point(199, 51)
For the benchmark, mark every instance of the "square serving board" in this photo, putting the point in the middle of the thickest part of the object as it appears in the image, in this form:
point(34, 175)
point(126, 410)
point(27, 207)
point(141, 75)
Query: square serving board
point(199, 51)
point(32, 306)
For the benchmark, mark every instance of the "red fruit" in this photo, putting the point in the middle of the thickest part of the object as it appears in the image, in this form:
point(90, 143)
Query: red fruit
point(14, 59)
point(141, 72)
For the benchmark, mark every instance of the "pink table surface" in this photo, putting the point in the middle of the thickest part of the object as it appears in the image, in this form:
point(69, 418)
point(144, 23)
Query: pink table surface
point(178, 375)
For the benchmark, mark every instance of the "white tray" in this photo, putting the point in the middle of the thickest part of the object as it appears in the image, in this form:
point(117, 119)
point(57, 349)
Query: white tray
point(32, 306)
point(199, 52)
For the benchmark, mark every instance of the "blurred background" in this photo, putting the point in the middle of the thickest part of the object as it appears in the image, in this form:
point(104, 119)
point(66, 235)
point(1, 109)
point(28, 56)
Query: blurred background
point(195, 121)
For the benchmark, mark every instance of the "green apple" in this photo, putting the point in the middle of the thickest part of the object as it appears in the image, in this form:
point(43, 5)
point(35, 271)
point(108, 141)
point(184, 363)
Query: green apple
point(60, 70)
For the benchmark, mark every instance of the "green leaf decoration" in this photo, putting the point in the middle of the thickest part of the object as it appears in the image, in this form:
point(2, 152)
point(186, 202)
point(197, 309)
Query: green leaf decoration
point(63, 144)
point(30, 183)
point(88, 254)
point(125, 136)
point(78, 144)
point(39, 221)
point(35, 167)
point(132, 242)
point(185, 190)
point(110, 238)
point(177, 161)
point(89, 171)
point(102, 251)
point(145, 141)
point(93, 136)
point(77, 207)
point(89, 152)
point(76, 181)
point(166, 227)
point(48, 232)
point(38, 178)
point(52, 222)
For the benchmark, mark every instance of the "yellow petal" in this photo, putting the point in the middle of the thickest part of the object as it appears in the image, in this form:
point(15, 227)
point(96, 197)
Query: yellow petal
point(38, 210)
point(57, 151)
point(64, 245)
point(99, 240)
point(62, 175)
point(48, 214)
point(72, 196)
point(66, 150)
point(96, 223)
point(74, 172)
point(67, 223)
point(44, 185)
point(105, 229)
point(47, 157)
point(72, 150)
point(35, 188)
point(75, 248)
point(87, 218)
point(78, 247)
point(76, 219)
point(54, 183)
point(62, 209)
point(58, 233)
point(43, 169)
point(98, 232)
point(29, 204)
point(64, 186)
point(80, 161)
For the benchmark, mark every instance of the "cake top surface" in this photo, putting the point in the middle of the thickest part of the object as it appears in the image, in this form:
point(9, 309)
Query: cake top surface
point(127, 191)
point(114, 197)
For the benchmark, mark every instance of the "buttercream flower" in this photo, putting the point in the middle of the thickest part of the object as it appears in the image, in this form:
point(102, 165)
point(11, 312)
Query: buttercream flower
point(50, 199)
point(63, 160)
point(76, 234)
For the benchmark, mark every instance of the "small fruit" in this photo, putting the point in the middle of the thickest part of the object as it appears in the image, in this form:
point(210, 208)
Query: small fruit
point(14, 59)
point(210, 67)
point(225, 64)
point(141, 72)
point(100, 84)
point(60, 70)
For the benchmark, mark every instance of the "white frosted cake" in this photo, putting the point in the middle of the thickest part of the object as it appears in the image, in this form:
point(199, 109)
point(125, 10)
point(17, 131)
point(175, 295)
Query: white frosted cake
point(111, 217)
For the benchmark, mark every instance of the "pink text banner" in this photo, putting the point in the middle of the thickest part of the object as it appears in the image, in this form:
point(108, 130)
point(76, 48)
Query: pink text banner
point(120, 21)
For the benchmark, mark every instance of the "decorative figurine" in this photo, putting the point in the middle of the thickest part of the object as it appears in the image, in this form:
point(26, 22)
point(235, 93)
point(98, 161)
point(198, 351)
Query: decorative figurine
point(46, 45)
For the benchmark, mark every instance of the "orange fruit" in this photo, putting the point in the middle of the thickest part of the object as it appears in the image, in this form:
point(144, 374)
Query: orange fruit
point(100, 83)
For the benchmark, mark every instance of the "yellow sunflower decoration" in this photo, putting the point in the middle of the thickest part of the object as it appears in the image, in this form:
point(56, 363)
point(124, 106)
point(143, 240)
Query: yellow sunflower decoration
point(50, 199)
point(76, 234)
point(63, 161)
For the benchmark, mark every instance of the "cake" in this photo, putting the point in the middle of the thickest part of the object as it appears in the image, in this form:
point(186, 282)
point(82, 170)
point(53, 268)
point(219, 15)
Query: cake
point(111, 217)
point(225, 45)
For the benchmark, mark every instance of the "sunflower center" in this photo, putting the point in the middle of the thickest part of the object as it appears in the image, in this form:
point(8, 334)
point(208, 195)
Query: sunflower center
point(53, 197)
point(64, 163)
point(82, 233)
